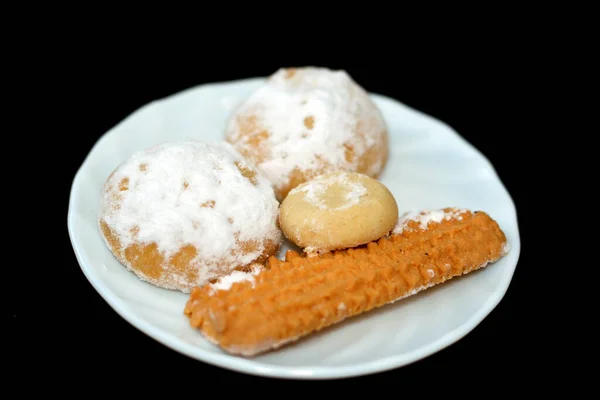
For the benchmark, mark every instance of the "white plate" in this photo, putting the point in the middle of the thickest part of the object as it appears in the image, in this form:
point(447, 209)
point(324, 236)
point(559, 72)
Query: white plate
point(430, 166)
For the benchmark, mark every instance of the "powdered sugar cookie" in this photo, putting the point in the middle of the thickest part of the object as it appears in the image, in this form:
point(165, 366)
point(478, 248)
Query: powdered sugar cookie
point(308, 121)
point(336, 211)
point(183, 214)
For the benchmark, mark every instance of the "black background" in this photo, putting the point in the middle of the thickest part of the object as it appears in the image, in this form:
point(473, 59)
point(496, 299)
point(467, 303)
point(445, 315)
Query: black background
point(473, 88)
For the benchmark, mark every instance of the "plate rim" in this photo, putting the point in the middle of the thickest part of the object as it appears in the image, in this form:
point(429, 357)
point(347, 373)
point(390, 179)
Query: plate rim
point(314, 372)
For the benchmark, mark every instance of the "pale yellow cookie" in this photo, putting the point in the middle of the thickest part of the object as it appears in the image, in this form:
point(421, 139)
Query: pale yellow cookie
point(336, 211)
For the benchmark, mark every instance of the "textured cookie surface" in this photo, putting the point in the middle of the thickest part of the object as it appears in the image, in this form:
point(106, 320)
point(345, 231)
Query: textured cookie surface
point(337, 210)
point(182, 214)
point(307, 121)
point(301, 295)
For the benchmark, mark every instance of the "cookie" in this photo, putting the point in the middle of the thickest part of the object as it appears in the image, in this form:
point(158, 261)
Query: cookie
point(337, 210)
point(304, 122)
point(182, 214)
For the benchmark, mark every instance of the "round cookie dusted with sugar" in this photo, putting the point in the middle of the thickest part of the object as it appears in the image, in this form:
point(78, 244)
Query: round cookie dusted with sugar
point(304, 122)
point(182, 214)
point(336, 211)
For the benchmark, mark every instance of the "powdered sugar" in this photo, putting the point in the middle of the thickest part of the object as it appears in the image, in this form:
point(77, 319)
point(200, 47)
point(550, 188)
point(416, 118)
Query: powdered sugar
point(225, 282)
point(192, 193)
point(312, 116)
point(348, 186)
point(425, 217)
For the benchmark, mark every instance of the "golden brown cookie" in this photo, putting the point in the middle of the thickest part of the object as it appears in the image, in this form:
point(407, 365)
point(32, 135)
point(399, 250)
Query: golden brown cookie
point(336, 211)
point(302, 295)
point(305, 122)
point(183, 214)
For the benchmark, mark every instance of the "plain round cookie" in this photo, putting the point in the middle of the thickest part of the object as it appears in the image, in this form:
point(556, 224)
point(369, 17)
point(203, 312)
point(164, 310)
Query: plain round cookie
point(182, 214)
point(337, 210)
point(304, 122)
